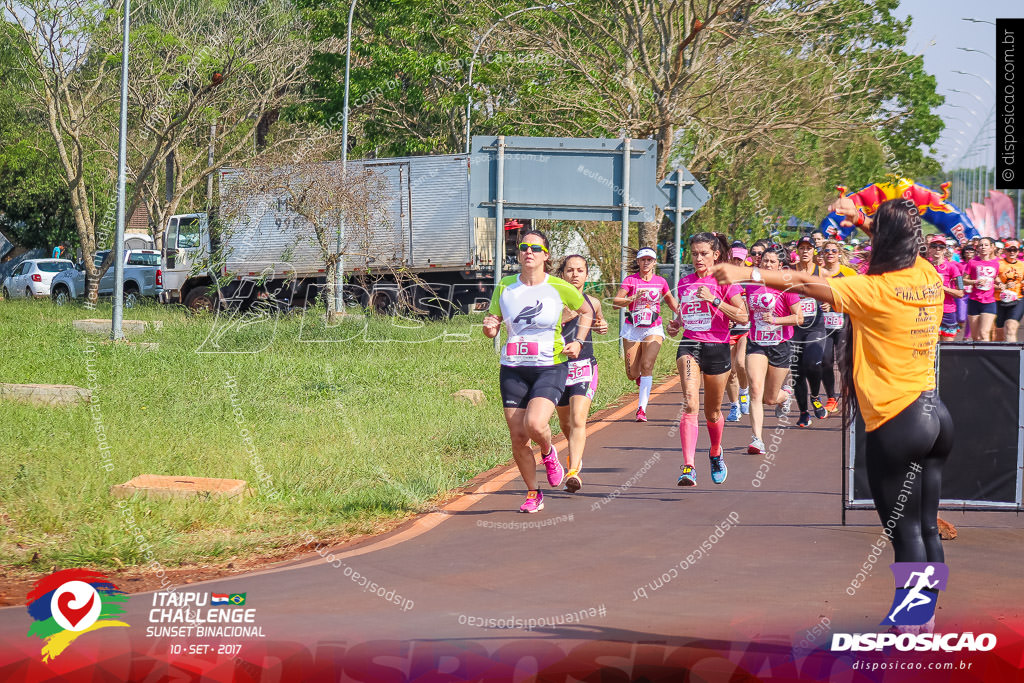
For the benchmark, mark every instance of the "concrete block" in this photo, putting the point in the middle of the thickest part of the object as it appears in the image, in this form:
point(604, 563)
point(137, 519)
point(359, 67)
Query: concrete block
point(101, 326)
point(474, 396)
point(45, 394)
point(159, 486)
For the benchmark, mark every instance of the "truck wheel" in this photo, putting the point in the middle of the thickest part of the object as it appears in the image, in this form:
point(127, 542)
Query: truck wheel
point(61, 296)
point(200, 300)
point(382, 302)
point(131, 297)
point(7, 295)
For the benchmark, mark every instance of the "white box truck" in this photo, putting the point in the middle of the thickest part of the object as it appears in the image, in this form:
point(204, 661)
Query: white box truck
point(269, 251)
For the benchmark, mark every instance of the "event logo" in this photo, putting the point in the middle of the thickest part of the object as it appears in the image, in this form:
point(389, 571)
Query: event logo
point(70, 603)
point(917, 588)
point(529, 313)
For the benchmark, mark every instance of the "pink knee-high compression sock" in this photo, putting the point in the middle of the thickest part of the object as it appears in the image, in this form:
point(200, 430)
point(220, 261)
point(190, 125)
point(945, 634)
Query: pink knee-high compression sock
point(688, 437)
point(715, 430)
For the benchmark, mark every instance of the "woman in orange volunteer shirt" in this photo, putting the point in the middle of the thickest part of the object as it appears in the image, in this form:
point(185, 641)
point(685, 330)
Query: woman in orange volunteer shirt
point(894, 312)
point(1010, 306)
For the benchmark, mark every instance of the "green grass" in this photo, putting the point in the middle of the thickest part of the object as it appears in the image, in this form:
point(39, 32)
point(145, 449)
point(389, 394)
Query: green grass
point(348, 433)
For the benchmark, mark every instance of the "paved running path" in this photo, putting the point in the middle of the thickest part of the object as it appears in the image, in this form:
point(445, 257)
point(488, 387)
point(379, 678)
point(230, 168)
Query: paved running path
point(783, 567)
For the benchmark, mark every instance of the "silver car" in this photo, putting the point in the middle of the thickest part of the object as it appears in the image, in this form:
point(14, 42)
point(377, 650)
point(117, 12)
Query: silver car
point(32, 278)
point(142, 278)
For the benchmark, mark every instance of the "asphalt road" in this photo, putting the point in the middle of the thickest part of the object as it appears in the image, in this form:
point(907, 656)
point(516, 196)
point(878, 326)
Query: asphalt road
point(631, 568)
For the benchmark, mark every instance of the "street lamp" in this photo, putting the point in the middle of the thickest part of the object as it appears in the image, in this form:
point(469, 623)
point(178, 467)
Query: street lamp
point(339, 267)
point(970, 94)
point(977, 21)
point(480, 43)
point(981, 52)
point(118, 313)
point(980, 78)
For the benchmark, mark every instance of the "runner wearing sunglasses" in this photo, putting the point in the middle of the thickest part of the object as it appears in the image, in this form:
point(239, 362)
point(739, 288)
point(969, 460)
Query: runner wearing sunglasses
point(705, 309)
point(534, 358)
point(643, 333)
point(834, 264)
point(808, 343)
point(1008, 284)
point(952, 286)
point(580, 385)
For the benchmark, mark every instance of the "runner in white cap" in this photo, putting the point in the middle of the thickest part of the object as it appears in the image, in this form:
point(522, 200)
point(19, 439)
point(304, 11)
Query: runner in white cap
point(643, 333)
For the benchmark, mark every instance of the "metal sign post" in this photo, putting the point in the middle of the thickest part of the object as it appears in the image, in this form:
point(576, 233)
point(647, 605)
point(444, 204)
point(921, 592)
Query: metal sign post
point(625, 230)
point(499, 226)
point(689, 196)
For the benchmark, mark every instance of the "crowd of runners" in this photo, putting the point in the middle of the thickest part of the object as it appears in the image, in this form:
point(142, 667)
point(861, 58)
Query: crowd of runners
point(765, 325)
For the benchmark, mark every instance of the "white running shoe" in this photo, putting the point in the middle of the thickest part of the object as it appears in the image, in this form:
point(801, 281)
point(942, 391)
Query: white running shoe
point(782, 409)
point(756, 447)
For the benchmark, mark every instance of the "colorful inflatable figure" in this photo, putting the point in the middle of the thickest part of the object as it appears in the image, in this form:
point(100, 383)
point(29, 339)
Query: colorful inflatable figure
point(935, 208)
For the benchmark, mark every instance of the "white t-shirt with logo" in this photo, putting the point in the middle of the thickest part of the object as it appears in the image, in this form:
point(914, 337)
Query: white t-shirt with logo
point(533, 317)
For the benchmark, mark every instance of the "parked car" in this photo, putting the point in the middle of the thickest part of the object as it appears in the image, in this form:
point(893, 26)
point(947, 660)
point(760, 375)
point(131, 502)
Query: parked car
point(142, 278)
point(33, 277)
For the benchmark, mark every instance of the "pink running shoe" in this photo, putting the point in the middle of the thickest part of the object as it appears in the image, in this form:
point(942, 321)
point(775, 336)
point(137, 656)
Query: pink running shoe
point(555, 470)
point(641, 416)
point(534, 502)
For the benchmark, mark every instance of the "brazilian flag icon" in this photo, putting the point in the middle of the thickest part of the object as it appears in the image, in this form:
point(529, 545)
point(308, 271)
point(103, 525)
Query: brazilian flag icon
point(237, 598)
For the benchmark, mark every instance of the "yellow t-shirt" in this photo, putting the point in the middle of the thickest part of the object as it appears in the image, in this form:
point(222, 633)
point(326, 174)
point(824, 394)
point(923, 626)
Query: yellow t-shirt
point(895, 321)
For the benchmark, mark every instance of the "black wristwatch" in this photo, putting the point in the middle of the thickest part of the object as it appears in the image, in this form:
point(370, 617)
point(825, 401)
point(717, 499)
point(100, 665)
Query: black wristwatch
point(716, 302)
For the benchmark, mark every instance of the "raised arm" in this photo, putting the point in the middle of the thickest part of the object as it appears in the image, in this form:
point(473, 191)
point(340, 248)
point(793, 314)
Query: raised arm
point(802, 283)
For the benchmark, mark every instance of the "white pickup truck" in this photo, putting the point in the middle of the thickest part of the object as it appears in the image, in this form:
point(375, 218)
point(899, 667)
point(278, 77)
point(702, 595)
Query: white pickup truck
point(142, 278)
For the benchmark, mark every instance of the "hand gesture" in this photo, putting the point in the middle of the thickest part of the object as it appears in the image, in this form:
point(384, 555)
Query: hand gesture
point(600, 326)
point(572, 349)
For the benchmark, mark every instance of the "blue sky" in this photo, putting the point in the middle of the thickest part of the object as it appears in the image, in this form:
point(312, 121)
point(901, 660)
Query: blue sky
point(937, 31)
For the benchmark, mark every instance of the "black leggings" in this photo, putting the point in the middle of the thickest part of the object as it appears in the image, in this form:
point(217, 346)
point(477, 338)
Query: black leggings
point(905, 457)
point(808, 350)
point(833, 353)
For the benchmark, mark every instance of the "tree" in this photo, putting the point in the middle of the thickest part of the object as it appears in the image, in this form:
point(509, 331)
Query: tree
point(238, 63)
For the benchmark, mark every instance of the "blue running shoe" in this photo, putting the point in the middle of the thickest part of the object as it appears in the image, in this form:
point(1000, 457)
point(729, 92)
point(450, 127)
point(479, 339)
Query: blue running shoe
point(734, 413)
point(688, 477)
point(718, 469)
point(745, 404)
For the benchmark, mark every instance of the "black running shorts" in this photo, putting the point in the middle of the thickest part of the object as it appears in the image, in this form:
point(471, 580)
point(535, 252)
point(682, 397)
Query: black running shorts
point(778, 355)
point(521, 384)
point(712, 358)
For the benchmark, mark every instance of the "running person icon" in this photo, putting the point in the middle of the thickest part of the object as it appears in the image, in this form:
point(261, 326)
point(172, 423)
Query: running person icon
point(581, 383)
point(705, 309)
point(916, 596)
point(534, 358)
point(643, 333)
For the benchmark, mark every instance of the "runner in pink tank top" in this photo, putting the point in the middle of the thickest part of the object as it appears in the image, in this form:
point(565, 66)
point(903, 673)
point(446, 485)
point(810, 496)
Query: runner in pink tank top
point(642, 332)
point(705, 310)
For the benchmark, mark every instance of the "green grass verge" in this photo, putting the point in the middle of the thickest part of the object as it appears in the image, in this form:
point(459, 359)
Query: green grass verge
point(347, 426)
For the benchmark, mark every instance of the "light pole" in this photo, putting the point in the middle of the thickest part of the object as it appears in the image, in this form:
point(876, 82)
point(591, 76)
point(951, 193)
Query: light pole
point(339, 267)
point(118, 313)
point(480, 43)
point(980, 52)
point(980, 78)
point(969, 94)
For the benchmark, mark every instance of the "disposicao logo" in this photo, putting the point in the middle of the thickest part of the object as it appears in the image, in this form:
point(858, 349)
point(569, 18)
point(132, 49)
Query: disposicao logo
point(917, 588)
point(70, 603)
